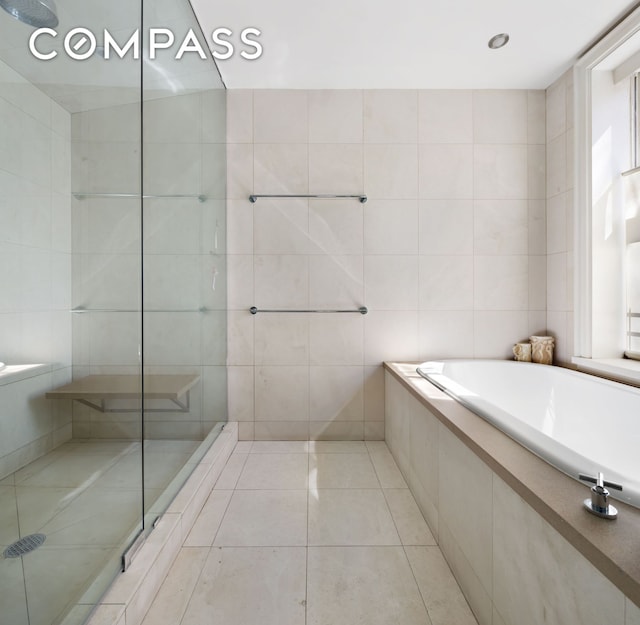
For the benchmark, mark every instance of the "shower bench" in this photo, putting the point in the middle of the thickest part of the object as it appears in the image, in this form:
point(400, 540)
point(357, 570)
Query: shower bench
point(95, 391)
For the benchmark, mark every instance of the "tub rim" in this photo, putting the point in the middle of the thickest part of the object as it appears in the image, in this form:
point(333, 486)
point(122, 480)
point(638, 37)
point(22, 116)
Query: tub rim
point(613, 547)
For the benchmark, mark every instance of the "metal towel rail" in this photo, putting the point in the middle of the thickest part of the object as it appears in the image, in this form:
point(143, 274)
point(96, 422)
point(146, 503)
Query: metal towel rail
point(323, 196)
point(363, 310)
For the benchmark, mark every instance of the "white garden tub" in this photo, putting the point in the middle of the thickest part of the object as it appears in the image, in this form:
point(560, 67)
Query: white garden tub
point(576, 422)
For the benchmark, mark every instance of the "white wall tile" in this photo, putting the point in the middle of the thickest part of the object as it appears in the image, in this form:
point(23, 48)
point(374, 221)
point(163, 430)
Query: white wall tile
point(495, 332)
point(445, 116)
point(391, 227)
point(446, 334)
point(239, 115)
point(556, 109)
point(537, 227)
point(335, 168)
point(446, 282)
point(556, 166)
point(171, 226)
point(500, 172)
point(537, 283)
point(446, 227)
point(500, 116)
point(390, 116)
point(335, 227)
point(536, 117)
point(446, 172)
point(239, 227)
point(214, 116)
point(557, 282)
point(281, 168)
point(557, 224)
point(374, 394)
point(213, 170)
point(446, 275)
point(240, 293)
point(168, 169)
point(280, 226)
point(240, 330)
point(390, 335)
point(390, 282)
point(241, 393)
point(336, 340)
point(501, 227)
point(280, 116)
point(240, 171)
point(282, 393)
point(185, 113)
point(336, 281)
point(500, 282)
point(536, 166)
point(391, 171)
point(281, 339)
point(336, 394)
point(335, 116)
point(172, 339)
point(213, 337)
point(281, 281)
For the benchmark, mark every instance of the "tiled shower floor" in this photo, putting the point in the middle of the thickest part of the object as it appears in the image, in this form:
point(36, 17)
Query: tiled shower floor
point(323, 533)
point(86, 498)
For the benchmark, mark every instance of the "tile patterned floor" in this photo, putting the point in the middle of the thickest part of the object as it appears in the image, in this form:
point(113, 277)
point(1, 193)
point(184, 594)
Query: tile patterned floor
point(321, 533)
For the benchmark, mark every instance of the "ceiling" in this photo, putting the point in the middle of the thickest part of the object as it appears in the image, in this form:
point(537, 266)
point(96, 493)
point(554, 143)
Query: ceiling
point(337, 44)
point(327, 44)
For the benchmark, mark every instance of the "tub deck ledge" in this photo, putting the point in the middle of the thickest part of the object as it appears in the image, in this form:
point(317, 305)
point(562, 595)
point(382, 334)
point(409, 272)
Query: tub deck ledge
point(613, 547)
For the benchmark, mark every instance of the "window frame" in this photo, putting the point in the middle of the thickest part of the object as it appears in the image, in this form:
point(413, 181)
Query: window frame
point(583, 201)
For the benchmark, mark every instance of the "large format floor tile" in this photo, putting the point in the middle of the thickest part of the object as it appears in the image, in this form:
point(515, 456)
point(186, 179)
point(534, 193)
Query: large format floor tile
point(251, 586)
point(256, 518)
point(342, 471)
point(372, 585)
point(274, 471)
point(310, 533)
point(350, 517)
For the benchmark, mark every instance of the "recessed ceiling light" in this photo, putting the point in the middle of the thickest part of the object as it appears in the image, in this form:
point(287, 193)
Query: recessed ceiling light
point(497, 41)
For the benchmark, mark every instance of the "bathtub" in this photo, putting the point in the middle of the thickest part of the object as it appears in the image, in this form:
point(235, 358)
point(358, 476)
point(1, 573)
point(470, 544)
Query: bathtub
point(576, 422)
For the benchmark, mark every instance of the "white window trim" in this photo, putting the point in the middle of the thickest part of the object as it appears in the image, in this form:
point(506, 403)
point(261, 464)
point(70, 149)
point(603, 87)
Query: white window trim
point(583, 320)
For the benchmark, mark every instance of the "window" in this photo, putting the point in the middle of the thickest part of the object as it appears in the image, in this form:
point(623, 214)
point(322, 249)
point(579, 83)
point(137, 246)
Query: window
point(607, 203)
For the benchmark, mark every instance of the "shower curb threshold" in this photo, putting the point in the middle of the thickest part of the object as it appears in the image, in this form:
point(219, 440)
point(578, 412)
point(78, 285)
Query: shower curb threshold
point(131, 594)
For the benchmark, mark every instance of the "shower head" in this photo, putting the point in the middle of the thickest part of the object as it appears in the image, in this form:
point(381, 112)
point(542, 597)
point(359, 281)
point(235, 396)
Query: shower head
point(38, 13)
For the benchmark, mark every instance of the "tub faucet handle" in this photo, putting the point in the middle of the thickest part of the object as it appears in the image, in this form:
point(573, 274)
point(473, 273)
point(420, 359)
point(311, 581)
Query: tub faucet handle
point(599, 502)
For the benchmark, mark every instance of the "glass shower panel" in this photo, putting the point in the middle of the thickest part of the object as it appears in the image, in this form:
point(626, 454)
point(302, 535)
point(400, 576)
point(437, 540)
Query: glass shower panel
point(184, 264)
point(70, 317)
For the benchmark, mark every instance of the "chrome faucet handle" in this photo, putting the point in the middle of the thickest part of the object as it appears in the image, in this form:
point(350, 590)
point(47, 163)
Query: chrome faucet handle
point(599, 481)
point(599, 502)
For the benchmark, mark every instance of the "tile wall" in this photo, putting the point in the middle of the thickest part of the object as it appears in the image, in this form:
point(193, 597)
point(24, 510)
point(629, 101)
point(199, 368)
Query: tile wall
point(35, 267)
point(184, 265)
point(448, 254)
point(560, 218)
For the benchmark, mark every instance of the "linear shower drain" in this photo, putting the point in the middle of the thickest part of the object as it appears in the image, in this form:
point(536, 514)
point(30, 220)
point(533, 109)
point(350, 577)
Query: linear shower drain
point(24, 545)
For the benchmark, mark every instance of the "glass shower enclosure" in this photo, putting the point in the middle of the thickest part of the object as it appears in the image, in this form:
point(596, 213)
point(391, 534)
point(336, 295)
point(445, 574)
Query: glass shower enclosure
point(113, 294)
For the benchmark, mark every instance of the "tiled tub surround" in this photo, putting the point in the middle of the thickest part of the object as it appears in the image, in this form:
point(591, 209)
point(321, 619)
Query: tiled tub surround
point(448, 253)
point(512, 527)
